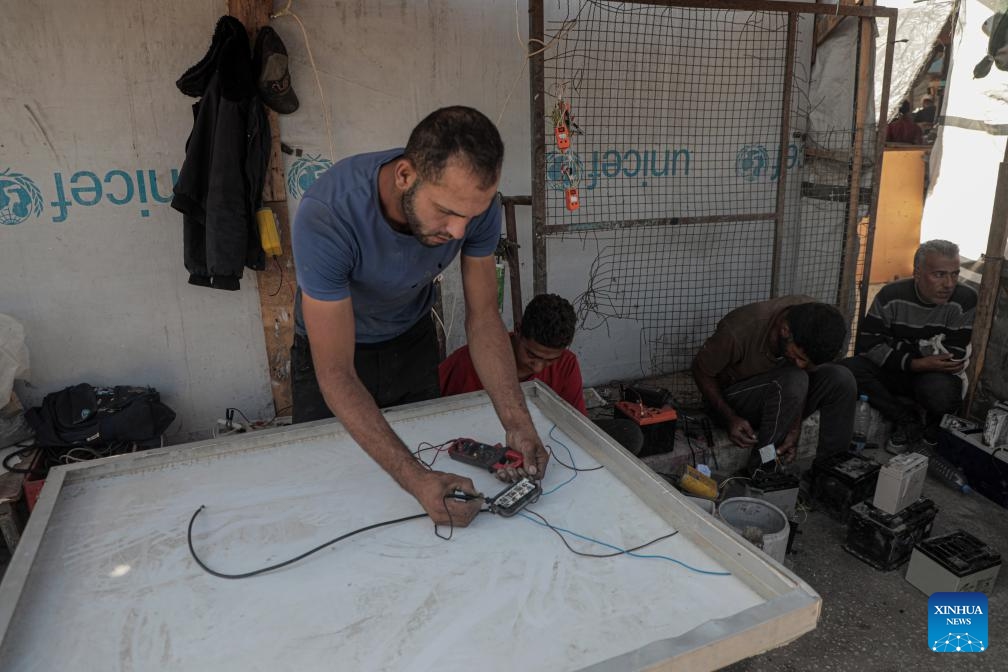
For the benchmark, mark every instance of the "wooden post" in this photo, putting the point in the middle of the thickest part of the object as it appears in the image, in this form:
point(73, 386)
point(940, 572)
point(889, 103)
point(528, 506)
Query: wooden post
point(848, 273)
point(990, 282)
point(276, 283)
point(514, 267)
point(880, 140)
point(783, 145)
point(537, 110)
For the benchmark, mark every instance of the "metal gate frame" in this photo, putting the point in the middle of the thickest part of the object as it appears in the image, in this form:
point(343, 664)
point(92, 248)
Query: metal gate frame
point(866, 15)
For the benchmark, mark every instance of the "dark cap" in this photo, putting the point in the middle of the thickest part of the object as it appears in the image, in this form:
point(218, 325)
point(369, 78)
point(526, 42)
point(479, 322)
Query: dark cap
point(274, 81)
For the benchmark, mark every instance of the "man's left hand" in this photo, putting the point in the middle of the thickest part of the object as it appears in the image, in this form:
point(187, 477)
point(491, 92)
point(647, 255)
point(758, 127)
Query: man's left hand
point(788, 448)
point(534, 455)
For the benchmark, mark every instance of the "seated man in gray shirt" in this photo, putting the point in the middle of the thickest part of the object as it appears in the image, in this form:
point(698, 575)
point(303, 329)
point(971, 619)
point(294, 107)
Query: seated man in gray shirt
point(912, 344)
point(767, 366)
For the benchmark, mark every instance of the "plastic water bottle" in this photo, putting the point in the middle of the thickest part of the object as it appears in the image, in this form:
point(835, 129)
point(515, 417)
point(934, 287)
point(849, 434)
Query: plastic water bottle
point(862, 421)
point(945, 471)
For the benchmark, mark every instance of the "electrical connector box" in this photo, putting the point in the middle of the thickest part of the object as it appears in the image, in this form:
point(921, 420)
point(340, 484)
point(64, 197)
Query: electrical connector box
point(900, 482)
point(957, 562)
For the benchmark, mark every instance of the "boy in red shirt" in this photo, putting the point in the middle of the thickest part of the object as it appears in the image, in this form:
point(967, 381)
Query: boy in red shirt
point(540, 343)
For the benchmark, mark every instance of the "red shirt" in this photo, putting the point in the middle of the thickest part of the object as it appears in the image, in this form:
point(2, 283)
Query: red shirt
point(563, 376)
point(905, 130)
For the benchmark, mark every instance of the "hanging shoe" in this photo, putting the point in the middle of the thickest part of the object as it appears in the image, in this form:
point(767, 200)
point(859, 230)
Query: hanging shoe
point(274, 80)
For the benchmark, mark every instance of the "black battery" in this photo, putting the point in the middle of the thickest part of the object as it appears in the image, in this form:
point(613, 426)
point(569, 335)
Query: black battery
point(952, 563)
point(985, 470)
point(883, 540)
point(842, 480)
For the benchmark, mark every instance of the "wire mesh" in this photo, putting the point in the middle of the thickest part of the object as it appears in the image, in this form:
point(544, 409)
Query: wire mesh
point(675, 118)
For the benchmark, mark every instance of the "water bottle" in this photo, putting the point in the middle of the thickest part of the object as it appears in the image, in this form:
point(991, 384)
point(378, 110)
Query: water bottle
point(945, 471)
point(862, 421)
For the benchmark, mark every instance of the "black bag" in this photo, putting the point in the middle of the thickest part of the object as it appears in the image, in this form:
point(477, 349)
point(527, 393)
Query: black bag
point(83, 415)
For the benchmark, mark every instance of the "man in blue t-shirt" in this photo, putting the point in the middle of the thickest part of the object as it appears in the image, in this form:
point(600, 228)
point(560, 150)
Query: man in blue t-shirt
point(369, 238)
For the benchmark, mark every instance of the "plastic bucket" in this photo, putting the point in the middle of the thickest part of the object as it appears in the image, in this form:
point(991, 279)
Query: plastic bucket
point(705, 505)
point(759, 522)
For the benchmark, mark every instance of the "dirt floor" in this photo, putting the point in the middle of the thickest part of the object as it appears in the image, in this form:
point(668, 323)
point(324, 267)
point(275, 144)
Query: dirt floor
point(876, 621)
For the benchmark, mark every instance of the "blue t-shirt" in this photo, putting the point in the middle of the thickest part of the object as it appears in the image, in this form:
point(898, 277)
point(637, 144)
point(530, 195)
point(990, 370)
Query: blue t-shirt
point(344, 247)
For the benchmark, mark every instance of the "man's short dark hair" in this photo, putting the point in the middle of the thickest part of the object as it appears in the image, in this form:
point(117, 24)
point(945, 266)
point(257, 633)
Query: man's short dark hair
point(904, 107)
point(549, 320)
point(456, 132)
point(818, 329)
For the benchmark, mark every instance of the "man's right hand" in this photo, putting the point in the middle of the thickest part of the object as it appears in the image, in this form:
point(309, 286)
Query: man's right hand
point(741, 432)
point(433, 490)
point(943, 363)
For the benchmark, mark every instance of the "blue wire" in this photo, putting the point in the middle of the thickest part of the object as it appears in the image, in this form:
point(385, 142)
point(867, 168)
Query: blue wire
point(623, 550)
point(570, 454)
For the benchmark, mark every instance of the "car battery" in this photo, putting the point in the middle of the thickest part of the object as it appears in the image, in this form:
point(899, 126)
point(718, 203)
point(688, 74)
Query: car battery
point(777, 487)
point(884, 540)
point(841, 480)
point(658, 425)
point(957, 562)
point(900, 482)
point(985, 467)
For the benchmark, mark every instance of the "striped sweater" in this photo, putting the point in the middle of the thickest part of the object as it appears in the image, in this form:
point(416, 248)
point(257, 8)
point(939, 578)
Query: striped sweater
point(898, 319)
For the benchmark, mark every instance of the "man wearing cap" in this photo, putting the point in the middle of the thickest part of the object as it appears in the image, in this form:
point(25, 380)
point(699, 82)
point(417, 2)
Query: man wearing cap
point(370, 236)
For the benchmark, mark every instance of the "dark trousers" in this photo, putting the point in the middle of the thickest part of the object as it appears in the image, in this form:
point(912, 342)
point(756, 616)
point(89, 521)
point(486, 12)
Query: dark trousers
point(398, 371)
point(773, 401)
point(936, 393)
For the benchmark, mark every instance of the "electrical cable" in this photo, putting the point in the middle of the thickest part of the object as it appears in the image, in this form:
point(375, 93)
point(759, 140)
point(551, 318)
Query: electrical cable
point(256, 572)
point(620, 551)
point(279, 268)
point(573, 466)
point(556, 530)
point(286, 11)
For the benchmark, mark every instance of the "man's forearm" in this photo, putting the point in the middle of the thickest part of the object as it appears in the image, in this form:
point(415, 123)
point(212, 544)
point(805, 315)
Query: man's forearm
point(712, 393)
point(493, 359)
point(351, 403)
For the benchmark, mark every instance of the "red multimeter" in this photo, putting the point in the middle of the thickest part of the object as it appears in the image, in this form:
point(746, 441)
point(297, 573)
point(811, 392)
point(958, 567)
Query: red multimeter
point(491, 458)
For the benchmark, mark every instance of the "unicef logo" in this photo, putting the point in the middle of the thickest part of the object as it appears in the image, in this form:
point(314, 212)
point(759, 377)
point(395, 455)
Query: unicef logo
point(19, 198)
point(304, 172)
point(752, 163)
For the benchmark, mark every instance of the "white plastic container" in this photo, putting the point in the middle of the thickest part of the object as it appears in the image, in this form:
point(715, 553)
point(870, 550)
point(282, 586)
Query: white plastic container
point(758, 518)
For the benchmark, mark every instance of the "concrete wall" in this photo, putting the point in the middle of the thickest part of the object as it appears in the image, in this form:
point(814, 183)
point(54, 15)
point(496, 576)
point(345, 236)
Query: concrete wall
point(92, 266)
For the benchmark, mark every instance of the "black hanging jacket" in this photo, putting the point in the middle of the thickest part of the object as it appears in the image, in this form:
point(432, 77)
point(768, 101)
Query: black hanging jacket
point(220, 184)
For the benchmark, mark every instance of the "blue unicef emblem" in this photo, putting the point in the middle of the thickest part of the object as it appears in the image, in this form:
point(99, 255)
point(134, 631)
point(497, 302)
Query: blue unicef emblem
point(19, 198)
point(752, 163)
point(957, 622)
point(562, 170)
point(303, 173)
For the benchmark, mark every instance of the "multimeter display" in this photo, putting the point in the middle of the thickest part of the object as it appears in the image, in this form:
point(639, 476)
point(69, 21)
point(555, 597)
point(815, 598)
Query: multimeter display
point(484, 455)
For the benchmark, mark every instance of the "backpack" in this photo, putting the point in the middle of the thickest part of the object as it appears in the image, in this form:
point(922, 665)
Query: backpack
point(83, 415)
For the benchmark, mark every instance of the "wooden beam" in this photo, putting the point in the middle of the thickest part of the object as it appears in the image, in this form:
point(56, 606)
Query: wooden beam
point(782, 150)
point(880, 148)
point(844, 9)
point(276, 283)
point(514, 265)
point(537, 112)
point(848, 273)
point(990, 281)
